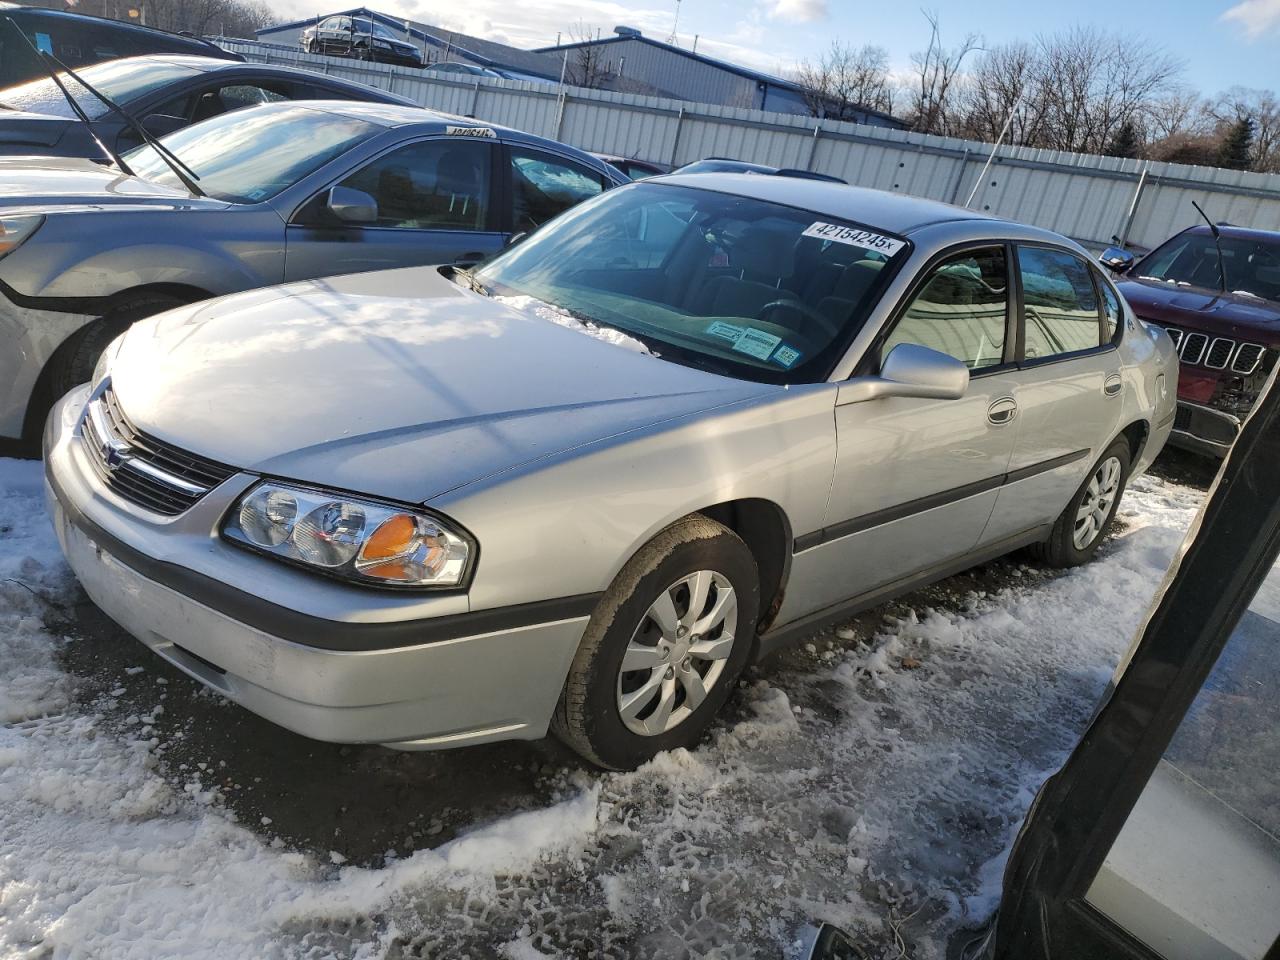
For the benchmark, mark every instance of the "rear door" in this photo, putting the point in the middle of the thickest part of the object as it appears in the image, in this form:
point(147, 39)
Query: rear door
point(915, 480)
point(435, 202)
point(1068, 387)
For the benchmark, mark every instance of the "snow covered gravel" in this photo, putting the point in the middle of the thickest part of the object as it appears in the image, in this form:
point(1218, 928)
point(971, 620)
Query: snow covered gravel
point(873, 777)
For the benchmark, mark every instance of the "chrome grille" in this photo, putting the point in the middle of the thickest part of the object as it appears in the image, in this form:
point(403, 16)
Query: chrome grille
point(1219, 354)
point(142, 469)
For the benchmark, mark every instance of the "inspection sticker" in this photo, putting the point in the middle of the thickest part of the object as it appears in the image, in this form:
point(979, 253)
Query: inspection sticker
point(726, 331)
point(470, 132)
point(855, 238)
point(787, 356)
point(756, 343)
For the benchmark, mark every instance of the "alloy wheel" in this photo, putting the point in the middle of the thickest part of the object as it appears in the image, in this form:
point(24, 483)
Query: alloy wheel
point(677, 653)
point(1096, 505)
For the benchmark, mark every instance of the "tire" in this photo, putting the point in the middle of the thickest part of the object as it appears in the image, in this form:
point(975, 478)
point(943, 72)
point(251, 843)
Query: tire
point(589, 718)
point(1073, 540)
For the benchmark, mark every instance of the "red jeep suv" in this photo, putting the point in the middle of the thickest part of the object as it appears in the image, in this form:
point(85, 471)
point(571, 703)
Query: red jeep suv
point(1224, 320)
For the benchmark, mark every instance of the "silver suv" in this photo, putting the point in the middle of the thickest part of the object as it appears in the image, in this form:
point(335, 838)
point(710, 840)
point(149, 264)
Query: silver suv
point(283, 191)
point(582, 486)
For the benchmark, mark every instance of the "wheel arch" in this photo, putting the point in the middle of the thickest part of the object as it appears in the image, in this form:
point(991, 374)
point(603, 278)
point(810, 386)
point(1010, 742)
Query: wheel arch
point(1137, 433)
point(39, 400)
point(764, 527)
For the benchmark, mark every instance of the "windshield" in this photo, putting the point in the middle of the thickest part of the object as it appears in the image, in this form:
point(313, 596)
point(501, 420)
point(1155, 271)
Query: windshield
point(1191, 260)
point(251, 155)
point(743, 287)
point(122, 80)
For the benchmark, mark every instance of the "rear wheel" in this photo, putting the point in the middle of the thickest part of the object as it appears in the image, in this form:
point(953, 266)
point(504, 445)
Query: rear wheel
point(664, 648)
point(1080, 528)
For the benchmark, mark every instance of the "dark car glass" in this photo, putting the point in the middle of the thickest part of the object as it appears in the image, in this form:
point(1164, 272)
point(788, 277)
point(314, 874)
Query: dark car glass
point(122, 80)
point(1252, 266)
point(738, 285)
point(251, 155)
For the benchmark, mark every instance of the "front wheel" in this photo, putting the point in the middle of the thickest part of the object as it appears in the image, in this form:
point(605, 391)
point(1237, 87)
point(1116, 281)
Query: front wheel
point(1079, 530)
point(664, 647)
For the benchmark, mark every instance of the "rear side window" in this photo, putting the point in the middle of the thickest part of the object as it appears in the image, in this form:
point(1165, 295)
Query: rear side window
point(1112, 311)
point(1060, 304)
point(961, 310)
point(543, 186)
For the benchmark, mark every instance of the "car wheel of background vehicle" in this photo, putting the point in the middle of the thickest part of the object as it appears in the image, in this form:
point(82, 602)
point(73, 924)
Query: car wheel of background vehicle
point(313, 46)
point(664, 648)
point(1081, 527)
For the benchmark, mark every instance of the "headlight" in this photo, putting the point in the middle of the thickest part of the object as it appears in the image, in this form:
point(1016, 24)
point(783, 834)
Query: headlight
point(359, 540)
point(15, 230)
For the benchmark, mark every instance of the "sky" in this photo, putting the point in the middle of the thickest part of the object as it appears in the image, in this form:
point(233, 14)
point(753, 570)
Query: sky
point(1222, 43)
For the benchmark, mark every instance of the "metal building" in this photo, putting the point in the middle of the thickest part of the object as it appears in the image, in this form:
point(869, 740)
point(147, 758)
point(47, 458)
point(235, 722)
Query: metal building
point(689, 75)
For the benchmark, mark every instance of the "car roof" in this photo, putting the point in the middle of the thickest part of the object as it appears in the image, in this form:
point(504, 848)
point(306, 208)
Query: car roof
point(430, 121)
point(1244, 233)
point(893, 212)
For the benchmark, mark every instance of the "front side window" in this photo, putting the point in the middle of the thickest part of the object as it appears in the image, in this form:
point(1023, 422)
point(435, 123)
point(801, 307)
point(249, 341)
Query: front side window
point(432, 185)
point(251, 157)
point(733, 284)
point(961, 310)
point(1060, 305)
point(543, 186)
point(1252, 266)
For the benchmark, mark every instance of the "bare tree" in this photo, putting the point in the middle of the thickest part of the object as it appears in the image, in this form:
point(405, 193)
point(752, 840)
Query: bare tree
point(846, 78)
point(586, 66)
point(934, 76)
point(1005, 80)
point(1263, 109)
point(1180, 112)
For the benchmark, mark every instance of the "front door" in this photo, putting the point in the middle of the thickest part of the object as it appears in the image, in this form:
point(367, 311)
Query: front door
point(435, 205)
point(915, 480)
point(1068, 388)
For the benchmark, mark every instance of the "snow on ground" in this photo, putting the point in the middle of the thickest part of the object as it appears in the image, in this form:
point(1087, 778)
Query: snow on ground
point(873, 778)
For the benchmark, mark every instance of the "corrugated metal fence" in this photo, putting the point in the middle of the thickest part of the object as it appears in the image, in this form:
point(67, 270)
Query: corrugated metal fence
point(1086, 197)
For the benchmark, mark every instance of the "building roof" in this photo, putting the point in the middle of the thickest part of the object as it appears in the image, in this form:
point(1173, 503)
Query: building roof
point(627, 35)
point(738, 69)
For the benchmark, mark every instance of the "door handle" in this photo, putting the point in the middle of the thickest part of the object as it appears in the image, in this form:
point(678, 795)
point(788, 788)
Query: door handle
point(1002, 411)
point(1112, 386)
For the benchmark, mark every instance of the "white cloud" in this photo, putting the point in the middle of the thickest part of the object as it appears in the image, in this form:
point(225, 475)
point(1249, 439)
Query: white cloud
point(1255, 16)
point(802, 11)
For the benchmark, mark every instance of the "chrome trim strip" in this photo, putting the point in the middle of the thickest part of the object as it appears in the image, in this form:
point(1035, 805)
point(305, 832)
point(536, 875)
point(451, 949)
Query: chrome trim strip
point(106, 439)
point(168, 479)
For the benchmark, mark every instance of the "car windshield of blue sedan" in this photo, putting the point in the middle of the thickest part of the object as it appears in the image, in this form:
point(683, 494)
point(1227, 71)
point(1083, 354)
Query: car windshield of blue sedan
point(251, 155)
point(737, 285)
point(121, 80)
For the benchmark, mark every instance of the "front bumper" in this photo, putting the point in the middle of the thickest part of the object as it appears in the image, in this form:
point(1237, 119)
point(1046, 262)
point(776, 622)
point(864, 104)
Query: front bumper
point(1203, 429)
point(453, 686)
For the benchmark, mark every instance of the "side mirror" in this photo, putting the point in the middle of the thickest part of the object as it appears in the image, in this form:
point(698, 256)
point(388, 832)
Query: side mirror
point(162, 124)
point(1116, 259)
point(910, 370)
point(352, 206)
point(832, 943)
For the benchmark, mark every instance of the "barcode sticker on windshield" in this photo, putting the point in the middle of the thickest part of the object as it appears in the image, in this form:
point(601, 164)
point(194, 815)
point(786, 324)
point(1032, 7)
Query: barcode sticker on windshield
point(728, 331)
point(855, 238)
point(756, 343)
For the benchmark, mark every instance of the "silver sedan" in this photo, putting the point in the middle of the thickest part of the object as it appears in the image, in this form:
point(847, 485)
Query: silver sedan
point(581, 487)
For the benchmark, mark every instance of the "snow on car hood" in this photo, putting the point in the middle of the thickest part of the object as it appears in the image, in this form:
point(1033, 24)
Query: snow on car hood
point(398, 383)
point(54, 182)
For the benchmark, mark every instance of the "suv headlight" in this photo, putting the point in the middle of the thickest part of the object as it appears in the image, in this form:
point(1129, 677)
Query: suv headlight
point(15, 230)
point(359, 540)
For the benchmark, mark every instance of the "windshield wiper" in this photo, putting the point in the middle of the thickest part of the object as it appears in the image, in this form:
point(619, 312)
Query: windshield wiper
point(78, 110)
point(185, 174)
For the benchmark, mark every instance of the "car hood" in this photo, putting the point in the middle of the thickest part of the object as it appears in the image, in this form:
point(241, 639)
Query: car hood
point(1206, 310)
point(19, 129)
point(55, 182)
point(398, 384)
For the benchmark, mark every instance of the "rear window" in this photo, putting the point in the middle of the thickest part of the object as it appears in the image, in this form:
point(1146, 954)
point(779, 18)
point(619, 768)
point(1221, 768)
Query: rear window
point(122, 80)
